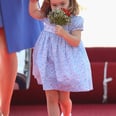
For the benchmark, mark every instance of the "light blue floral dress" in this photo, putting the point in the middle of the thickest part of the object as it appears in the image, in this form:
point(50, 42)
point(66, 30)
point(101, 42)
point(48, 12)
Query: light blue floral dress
point(59, 66)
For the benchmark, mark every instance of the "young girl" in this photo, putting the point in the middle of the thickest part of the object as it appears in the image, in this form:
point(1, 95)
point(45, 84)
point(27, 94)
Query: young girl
point(60, 61)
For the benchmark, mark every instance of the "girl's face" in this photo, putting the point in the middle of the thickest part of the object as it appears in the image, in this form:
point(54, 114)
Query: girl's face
point(58, 4)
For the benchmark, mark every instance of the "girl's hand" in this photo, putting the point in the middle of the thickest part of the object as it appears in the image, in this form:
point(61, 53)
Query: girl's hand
point(72, 39)
point(60, 30)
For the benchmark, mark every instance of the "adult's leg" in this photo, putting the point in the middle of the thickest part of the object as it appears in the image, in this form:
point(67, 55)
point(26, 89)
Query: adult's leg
point(8, 70)
point(52, 97)
point(65, 103)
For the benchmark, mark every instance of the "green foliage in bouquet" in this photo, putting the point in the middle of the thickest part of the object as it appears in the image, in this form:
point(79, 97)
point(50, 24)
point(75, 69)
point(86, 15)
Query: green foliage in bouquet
point(59, 17)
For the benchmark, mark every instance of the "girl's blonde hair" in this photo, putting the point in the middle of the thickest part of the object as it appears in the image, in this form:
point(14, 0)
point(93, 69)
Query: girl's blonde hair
point(73, 7)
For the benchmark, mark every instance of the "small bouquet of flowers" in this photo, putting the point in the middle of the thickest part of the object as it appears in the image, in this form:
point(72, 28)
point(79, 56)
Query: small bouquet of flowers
point(59, 17)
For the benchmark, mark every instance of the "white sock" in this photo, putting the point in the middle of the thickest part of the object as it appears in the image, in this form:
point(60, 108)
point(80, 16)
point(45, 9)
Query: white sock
point(63, 115)
point(1, 114)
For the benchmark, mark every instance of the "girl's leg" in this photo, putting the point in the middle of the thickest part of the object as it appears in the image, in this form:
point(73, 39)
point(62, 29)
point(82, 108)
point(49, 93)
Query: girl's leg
point(8, 70)
point(52, 97)
point(65, 103)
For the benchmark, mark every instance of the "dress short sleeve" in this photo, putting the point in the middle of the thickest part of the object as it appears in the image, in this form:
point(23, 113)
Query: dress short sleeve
point(21, 30)
point(76, 23)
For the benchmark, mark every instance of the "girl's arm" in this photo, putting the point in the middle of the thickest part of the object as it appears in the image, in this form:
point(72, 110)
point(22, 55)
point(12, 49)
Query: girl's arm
point(34, 10)
point(72, 39)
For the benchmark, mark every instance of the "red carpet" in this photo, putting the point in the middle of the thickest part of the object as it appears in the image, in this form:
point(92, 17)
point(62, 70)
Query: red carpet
point(78, 110)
